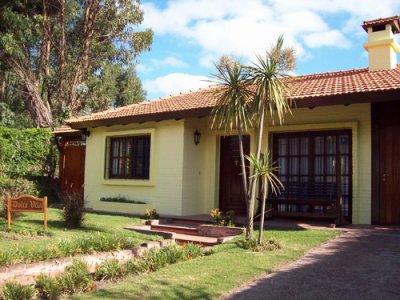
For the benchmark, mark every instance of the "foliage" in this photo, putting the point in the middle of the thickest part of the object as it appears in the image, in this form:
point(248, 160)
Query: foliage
point(191, 250)
point(13, 290)
point(14, 187)
point(86, 243)
point(265, 169)
point(233, 109)
point(221, 219)
point(26, 152)
point(216, 215)
point(76, 278)
point(245, 94)
point(110, 269)
point(151, 214)
point(73, 212)
point(62, 54)
point(212, 277)
point(48, 287)
point(256, 246)
point(120, 199)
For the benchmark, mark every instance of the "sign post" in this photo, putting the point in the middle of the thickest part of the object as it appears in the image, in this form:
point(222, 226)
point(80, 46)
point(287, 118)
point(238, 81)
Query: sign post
point(27, 203)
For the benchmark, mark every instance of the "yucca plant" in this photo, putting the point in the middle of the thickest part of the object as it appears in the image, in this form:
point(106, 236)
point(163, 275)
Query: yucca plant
point(267, 75)
point(233, 109)
point(265, 169)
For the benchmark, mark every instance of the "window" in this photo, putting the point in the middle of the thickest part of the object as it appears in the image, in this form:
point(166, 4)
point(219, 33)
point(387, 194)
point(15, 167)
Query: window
point(129, 157)
point(313, 167)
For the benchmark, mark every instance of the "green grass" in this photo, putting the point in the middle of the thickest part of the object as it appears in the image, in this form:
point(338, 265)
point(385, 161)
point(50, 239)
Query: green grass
point(211, 276)
point(28, 230)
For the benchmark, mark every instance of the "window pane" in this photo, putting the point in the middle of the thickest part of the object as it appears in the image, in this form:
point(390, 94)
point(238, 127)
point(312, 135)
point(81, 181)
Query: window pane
point(293, 146)
point(130, 157)
point(319, 145)
point(330, 144)
point(283, 146)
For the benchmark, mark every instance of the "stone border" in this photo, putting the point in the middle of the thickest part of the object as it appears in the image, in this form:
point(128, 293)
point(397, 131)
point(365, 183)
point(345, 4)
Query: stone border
point(26, 273)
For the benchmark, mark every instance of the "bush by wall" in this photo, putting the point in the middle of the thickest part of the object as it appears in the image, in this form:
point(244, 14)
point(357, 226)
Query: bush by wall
point(26, 152)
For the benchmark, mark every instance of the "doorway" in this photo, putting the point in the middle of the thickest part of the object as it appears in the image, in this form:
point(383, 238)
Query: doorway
point(386, 163)
point(231, 193)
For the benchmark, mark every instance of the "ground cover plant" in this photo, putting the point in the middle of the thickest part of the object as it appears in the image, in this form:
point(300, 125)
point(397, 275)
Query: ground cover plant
point(27, 241)
point(77, 278)
point(211, 276)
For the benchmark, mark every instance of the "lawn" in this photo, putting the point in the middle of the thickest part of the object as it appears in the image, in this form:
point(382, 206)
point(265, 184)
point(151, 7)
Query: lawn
point(28, 230)
point(211, 276)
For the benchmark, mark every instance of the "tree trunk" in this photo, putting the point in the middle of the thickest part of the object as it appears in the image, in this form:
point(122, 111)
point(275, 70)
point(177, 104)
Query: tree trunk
point(61, 88)
point(264, 193)
point(40, 112)
point(254, 180)
point(90, 16)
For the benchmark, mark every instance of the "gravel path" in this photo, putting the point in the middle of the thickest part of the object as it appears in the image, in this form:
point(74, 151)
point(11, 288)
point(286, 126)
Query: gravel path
point(360, 264)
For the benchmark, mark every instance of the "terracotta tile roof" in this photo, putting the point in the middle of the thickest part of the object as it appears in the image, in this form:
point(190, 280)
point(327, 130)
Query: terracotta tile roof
point(308, 87)
point(383, 21)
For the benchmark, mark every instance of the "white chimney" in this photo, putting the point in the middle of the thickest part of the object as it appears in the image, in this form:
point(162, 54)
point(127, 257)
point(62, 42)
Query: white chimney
point(382, 46)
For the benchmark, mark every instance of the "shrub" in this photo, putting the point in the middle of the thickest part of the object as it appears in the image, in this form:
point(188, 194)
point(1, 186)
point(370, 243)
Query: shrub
point(48, 287)
point(136, 266)
point(110, 269)
point(73, 208)
point(27, 152)
point(14, 187)
point(253, 245)
point(229, 218)
point(120, 199)
point(76, 278)
point(221, 219)
point(191, 250)
point(216, 215)
point(13, 290)
point(151, 214)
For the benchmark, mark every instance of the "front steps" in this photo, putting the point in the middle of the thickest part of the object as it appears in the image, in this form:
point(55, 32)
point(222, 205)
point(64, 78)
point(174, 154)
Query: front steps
point(191, 232)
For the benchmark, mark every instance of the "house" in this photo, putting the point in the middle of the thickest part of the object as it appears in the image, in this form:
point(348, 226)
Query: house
point(342, 143)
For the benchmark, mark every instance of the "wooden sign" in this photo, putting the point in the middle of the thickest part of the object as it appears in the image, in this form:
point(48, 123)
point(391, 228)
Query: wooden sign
point(27, 203)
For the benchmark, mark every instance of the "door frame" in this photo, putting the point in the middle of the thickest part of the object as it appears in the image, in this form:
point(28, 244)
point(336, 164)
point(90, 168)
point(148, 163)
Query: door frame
point(376, 164)
point(219, 153)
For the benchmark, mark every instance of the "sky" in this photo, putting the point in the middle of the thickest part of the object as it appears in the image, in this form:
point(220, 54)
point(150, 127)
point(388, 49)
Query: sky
point(191, 35)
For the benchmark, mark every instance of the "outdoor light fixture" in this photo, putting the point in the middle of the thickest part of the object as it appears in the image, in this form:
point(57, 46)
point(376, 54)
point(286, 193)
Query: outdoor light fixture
point(196, 137)
point(85, 135)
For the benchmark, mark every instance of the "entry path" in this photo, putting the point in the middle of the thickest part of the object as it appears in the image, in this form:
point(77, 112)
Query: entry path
point(359, 264)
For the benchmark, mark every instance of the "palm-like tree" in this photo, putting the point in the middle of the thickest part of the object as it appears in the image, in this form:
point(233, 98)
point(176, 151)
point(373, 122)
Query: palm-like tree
point(267, 76)
point(233, 110)
point(265, 169)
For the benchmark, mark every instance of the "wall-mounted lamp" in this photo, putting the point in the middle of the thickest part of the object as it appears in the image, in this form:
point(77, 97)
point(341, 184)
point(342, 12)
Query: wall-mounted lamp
point(196, 137)
point(85, 135)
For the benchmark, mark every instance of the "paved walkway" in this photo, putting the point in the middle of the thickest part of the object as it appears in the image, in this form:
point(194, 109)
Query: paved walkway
point(363, 263)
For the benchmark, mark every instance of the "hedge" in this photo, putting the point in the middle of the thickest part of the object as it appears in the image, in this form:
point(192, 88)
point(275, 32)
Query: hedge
point(26, 152)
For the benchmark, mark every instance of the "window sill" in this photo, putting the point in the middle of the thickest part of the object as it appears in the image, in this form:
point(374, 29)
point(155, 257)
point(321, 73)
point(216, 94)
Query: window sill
point(128, 182)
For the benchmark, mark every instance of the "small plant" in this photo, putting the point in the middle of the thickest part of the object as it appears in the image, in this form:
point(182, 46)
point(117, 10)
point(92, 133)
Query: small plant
point(110, 269)
point(216, 215)
point(255, 246)
point(228, 221)
point(48, 287)
point(191, 250)
point(151, 214)
point(73, 208)
point(120, 199)
point(221, 219)
point(136, 266)
point(76, 278)
point(13, 290)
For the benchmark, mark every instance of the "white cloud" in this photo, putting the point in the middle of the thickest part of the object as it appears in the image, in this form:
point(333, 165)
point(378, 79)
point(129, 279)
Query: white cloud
point(169, 61)
point(244, 28)
point(174, 83)
point(332, 38)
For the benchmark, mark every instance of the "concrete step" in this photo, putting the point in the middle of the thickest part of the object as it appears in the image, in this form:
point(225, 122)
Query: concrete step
point(204, 241)
point(181, 229)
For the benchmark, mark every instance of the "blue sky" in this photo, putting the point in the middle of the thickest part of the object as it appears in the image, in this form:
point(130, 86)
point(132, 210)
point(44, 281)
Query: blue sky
point(191, 35)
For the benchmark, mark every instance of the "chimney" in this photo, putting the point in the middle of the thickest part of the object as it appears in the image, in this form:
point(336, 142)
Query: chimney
point(382, 46)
